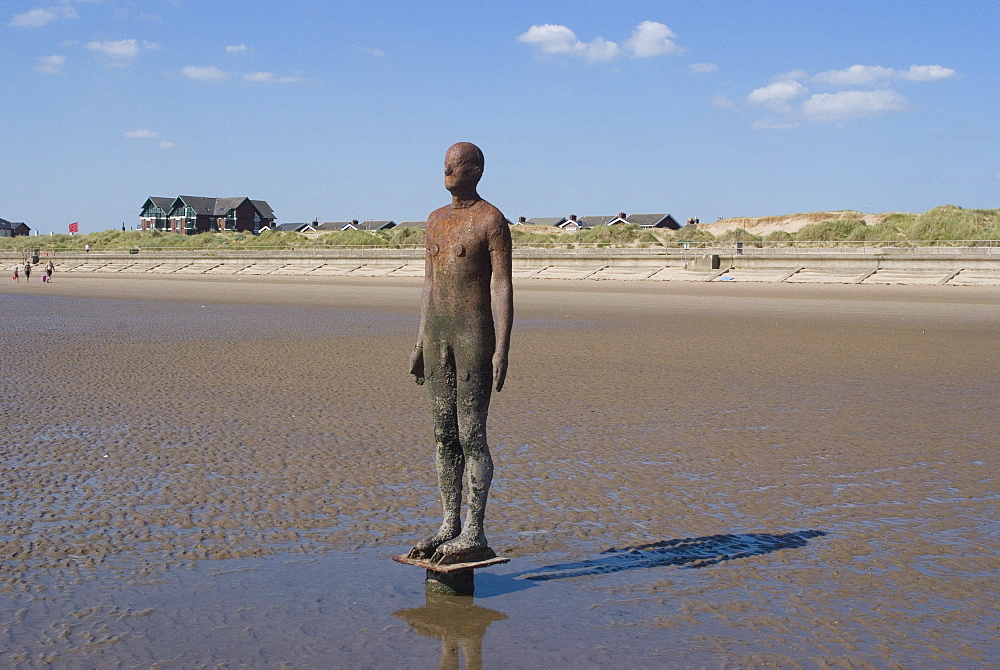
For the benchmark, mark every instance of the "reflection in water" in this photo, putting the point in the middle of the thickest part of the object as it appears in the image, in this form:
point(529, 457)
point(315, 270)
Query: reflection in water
point(457, 622)
point(691, 552)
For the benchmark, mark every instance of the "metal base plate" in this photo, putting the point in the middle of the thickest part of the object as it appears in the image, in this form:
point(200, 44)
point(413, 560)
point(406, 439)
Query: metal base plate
point(449, 567)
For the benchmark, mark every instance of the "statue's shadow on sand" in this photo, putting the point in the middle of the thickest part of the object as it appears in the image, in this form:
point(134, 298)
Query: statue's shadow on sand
point(690, 552)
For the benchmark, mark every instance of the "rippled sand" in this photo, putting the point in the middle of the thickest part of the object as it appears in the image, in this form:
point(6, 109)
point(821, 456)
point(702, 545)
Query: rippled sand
point(201, 471)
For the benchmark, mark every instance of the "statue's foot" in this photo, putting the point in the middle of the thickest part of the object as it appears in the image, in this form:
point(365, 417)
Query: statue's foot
point(425, 548)
point(466, 548)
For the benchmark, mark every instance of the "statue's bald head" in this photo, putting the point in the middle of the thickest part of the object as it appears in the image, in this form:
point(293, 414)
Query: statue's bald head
point(463, 168)
point(466, 152)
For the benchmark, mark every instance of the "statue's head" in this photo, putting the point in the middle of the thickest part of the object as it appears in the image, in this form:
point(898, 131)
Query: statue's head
point(463, 166)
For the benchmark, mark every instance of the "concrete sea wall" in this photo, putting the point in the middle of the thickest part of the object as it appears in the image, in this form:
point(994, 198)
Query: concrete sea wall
point(906, 265)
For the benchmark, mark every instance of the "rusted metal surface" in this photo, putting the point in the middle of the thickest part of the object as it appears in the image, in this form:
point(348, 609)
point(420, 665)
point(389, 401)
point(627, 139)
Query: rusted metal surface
point(461, 350)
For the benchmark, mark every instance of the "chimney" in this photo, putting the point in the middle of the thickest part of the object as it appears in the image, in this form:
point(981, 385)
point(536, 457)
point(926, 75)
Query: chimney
point(572, 217)
point(354, 222)
point(621, 215)
point(521, 219)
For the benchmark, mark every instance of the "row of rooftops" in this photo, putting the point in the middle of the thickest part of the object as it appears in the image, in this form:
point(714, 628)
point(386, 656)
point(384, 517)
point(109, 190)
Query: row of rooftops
point(573, 222)
point(564, 223)
point(330, 226)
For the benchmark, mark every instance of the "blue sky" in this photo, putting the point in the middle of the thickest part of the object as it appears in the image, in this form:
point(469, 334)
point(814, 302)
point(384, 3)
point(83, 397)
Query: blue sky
point(340, 110)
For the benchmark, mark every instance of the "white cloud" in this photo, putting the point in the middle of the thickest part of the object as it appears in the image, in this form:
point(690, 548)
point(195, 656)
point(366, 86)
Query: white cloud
point(142, 134)
point(852, 104)
point(767, 124)
point(778, 95)
point(36, 18)
point(551, 39)
point(378, 53)
point(783, 93)
point(723, 102)
point(648, 39)
point(50, 64)
point(236, 48)
point(204, 73)
point(556, 39)
point(652, 39)
point(270, 78)
point(856, 75)
point(792, 75)
point(870, 75)
point(120, 49)
point(703, 68)
point(928, 73)
point(600, 49)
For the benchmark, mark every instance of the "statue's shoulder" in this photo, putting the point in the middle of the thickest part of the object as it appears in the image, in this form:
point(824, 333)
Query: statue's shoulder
point(491, 216)
point(438, 214)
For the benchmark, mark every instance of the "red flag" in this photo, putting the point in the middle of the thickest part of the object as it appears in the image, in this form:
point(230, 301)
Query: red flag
point(74, 227)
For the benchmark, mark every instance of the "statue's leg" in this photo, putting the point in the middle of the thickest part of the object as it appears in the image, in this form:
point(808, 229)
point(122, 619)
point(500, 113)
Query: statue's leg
point(449, 457)
point(474, 389)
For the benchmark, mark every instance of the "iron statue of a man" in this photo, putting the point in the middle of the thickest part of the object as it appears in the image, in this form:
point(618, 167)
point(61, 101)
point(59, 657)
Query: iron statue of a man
point(461, 351)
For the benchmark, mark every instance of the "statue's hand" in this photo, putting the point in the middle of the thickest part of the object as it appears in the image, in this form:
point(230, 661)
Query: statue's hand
point(499, 370)
point(417, 364)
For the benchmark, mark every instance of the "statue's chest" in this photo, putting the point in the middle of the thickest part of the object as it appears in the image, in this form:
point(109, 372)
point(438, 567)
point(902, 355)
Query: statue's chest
point(454, 242)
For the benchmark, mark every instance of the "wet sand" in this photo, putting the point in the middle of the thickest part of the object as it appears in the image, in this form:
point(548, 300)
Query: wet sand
point(208, 471)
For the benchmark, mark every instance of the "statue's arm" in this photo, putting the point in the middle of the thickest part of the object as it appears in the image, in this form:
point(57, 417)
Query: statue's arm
point(503, 298)
point(417, 356)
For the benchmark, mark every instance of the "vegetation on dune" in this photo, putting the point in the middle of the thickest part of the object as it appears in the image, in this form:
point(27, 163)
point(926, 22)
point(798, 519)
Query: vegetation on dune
point(407, 236)
point(830, 230)
point(679, 238)
point(521, 237)
point(779, 237)
point(619, 235)
point(954, 223)
point(352, 238)
point(941, 225)
point(740, 235)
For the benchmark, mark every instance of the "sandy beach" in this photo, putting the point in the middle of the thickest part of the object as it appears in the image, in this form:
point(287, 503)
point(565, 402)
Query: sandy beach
point(202, 471)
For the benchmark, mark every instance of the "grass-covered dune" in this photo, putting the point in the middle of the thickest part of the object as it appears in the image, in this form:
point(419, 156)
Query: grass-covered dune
point(942, 225)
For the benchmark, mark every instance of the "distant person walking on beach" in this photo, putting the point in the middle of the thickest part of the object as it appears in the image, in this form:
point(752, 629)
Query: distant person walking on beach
point(27, 272)
point(49, 269)
point(16, 277)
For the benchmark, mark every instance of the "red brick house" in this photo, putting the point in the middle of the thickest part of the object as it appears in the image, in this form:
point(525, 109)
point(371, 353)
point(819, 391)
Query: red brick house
point(187, 214)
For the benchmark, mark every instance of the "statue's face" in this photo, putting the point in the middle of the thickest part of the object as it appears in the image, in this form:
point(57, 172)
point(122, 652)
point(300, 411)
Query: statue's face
point(461, 167)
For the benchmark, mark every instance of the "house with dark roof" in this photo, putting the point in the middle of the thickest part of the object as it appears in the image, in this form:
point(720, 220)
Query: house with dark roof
point(422, 225)
point(354, 224)
point(572, 224)
point(329, 226)
point(13, 229)
point(646, 220)
point(654, 221)
point(154, 214)
point(546, 221)
point(296, 227)
point(187, 214)
point(594, 221)
point(376, 225)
